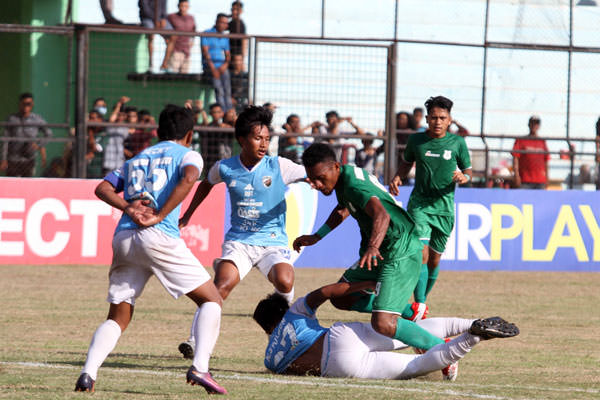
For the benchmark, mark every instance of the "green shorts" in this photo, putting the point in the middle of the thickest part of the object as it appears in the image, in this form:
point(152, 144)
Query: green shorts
point(396, 279)
point(433, 229)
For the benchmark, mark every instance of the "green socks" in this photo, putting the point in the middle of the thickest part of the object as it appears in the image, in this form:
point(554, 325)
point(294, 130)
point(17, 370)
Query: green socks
point(420, 292)
point(430, 281)
point(413, 335)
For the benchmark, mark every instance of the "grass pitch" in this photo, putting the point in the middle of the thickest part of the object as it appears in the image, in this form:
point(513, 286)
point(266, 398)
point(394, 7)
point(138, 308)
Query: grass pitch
point(50, 313)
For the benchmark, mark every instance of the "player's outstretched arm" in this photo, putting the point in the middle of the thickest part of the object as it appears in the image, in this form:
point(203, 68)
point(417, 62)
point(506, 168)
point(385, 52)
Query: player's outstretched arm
point(203, 190)
point(337, 216)
point(190, 176)
point(340, 289)
point(381, 222)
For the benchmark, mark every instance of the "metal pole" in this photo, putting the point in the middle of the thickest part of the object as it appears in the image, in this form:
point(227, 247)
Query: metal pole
point(322, 19)
point(571, 154)
point(80, 105)
point(390, 166)
point(396, 20)
point(483, 91)
point(256, 41)
point(69, 79)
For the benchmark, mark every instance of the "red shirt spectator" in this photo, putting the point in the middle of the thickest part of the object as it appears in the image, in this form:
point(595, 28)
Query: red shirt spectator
point(531, 168)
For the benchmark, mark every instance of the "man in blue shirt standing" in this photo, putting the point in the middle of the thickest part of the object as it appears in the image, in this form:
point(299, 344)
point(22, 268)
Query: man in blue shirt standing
point(215, 61)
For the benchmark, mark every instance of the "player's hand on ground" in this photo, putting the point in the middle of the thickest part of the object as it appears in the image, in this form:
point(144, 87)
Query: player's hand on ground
point(394, 184)
point(370, 258)
point(459, 177)
point(305, 240)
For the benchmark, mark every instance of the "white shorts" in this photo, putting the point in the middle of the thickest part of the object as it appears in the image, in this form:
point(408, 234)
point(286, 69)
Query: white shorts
point(140, 253)
point(245, 256)
point(348, 347)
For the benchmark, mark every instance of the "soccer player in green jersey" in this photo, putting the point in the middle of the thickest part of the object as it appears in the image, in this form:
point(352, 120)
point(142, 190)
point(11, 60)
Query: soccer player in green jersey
point(442, 160)
point(390, 251)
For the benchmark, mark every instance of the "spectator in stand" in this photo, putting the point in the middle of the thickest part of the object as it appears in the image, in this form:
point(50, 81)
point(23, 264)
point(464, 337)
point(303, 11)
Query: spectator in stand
point(100, 107)
point(292, 147)
point(460, 130)
point(107, 12)
point(404, 123)
point(239, 83)
point(332, 127)
point(366, 157)
point(114, 150)
point(237, 26)
point(216, 145)
point(151, 21)
point(417, 118)
point(531, 168)
point(94, 169)
point(215, 61)
point(18, 157)
point(229, 118)
point(140, 138)
point(179, 49)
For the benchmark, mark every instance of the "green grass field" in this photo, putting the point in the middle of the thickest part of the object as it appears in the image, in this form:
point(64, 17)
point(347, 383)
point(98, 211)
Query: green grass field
point(49, 314)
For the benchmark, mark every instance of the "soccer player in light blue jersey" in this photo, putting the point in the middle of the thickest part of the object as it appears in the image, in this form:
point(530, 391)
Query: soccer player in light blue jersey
point(299, 345)
point(147, 242)
point(256, 183)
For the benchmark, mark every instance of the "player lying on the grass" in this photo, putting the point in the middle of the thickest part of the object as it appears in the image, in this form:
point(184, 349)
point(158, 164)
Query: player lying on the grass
point(256, 183)
point(298, 345)
point(390, 253)
point(442, 160)
point(146, 242)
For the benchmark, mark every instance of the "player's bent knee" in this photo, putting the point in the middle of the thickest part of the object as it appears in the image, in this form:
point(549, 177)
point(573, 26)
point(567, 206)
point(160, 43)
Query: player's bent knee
point(383, 325)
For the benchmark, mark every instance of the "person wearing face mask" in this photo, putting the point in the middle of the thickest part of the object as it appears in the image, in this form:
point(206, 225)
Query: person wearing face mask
point(100, 107)
point(18, 157)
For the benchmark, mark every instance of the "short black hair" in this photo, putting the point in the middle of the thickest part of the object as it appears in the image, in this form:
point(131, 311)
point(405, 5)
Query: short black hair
point(25, 95)
point(270, 311)
point(183, 1)
point(174, 122)
point(213, 105)
point(332, 113)
point(129, 109)
point(222, 15)
point(237, 3)
point(417, 109)
point(439, 102)
point(98, 99)
point(144, 112)
point(289, 118)
point(316, 153)
point(598, 127)
point(249, 118)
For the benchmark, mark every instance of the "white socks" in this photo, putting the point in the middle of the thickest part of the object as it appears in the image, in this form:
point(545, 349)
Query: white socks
point(194, 324)
point(445, 327)
point(288, 296)
point(207, 322)
point(103, 342)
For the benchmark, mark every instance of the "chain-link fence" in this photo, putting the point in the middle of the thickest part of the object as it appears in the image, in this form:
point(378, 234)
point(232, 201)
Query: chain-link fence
point(37, 139)
point(500, 61)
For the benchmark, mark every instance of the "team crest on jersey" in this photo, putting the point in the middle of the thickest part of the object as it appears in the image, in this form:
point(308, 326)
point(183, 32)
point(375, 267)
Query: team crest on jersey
point(266, 180)
point(447, 154)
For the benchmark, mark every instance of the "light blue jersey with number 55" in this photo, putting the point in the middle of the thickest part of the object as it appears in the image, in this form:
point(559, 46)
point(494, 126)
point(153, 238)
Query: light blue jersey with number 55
point(153, 174)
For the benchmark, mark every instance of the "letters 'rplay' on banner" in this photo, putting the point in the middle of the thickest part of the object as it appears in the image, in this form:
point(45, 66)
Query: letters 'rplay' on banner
point(60, 221)
point(495, 229)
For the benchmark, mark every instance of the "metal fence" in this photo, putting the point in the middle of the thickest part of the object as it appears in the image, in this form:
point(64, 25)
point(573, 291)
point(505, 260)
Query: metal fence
point(500, 61)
